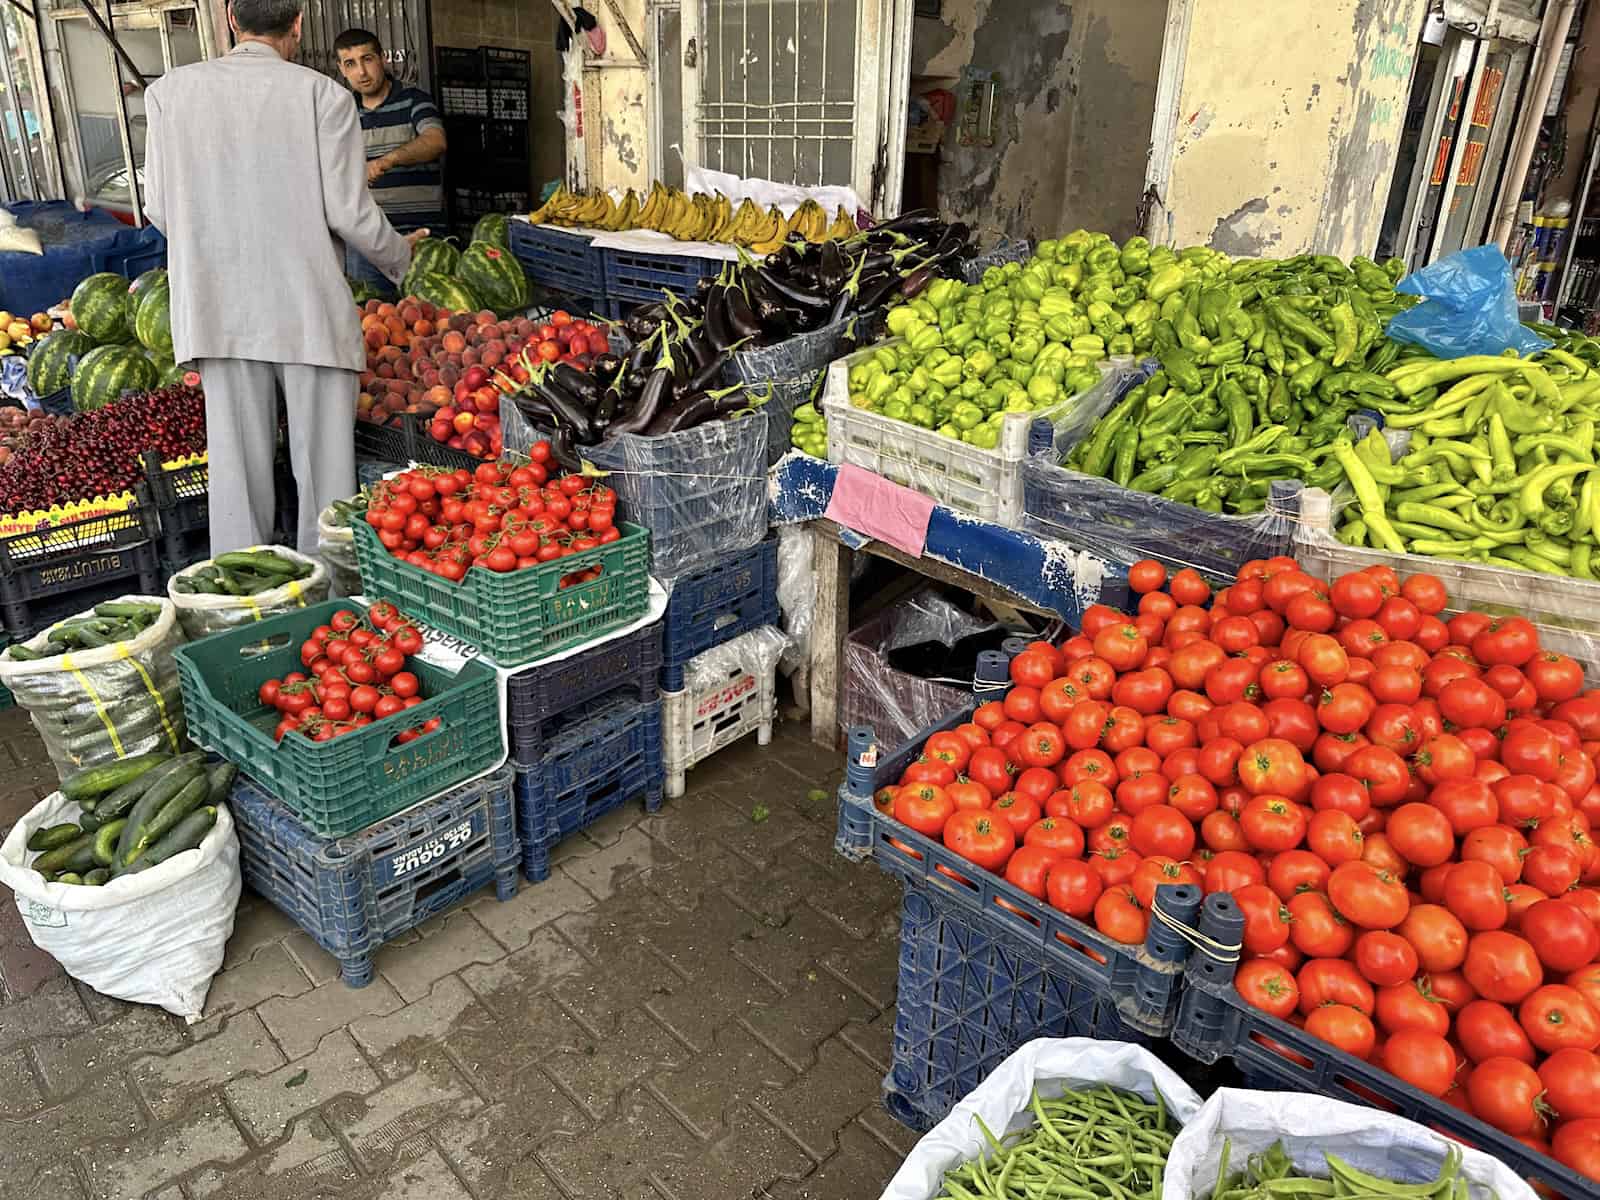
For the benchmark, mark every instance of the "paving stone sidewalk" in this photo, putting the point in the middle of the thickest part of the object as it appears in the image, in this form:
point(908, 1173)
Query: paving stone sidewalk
point(697, 1005)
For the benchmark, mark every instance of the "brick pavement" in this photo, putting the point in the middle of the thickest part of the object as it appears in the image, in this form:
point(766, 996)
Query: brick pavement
point(697, 1005)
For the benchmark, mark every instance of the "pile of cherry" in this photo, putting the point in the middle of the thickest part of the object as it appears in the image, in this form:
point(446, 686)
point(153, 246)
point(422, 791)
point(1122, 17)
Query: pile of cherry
point(1400, 804)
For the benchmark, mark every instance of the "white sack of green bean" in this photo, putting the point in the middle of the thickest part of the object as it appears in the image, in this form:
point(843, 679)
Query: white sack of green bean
point(1240, 1141)
point(1054, 1109)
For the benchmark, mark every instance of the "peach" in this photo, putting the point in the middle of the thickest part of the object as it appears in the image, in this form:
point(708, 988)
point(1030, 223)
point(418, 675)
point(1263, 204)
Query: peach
point(376, 338)
point(454, 342)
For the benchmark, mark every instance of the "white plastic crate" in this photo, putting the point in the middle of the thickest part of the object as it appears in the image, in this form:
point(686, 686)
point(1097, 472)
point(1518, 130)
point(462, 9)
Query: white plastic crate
point(985, 483)
point(1565, 610)
point(728, 691)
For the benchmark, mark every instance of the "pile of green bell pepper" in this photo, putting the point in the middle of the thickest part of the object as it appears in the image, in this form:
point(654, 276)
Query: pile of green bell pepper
point(809, 432)
point(1502, 465)
point(967, 354)
point(1261, 364)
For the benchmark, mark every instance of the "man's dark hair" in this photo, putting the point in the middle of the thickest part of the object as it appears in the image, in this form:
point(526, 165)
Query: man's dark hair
point(265, 18)
point(354, 39)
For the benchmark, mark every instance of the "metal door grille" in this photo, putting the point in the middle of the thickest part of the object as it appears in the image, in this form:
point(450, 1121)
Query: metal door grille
point(778, 88)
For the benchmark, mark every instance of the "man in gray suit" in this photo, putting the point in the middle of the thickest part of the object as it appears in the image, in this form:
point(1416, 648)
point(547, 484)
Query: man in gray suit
point(255, 171)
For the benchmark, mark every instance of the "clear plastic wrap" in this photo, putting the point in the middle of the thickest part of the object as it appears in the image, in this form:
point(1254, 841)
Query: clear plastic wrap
point(700, 492)
point(336, 546)
point(757, 652)
point(1124, 526)
point(1002, 1103)
point(792, 369)
point(1072, 424)
point(896, 703)
point(153, 937)
point(797, 597)
point(202, 614)
point(1312, 1127)
point(96, 706)
point(1566, 610)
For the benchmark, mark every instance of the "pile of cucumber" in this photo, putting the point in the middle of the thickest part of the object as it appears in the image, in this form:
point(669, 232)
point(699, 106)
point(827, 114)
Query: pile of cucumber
point(109, 623)
point(241, 573)
point(137, 812)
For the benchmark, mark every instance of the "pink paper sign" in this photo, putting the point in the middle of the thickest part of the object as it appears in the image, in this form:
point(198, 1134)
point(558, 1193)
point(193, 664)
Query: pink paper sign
point(887, 512)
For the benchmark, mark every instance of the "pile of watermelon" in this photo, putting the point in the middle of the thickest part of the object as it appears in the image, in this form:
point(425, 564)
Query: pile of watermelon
point(483, 276)
point(119, 340)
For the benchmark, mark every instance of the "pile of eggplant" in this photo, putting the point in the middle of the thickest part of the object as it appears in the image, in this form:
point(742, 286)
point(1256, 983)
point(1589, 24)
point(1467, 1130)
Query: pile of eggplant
point(681, 345)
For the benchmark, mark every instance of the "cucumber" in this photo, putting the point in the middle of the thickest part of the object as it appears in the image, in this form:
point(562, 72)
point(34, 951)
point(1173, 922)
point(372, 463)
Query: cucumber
point(55, 835)
point(90, 821)
point(120, 801)
point(97, 877)
point(173, 778)
point(93, 782)
point(58, 858)
point(69, 877)
point(219, 779)
point(105, 841)
point(166, 819)
point(188, 834)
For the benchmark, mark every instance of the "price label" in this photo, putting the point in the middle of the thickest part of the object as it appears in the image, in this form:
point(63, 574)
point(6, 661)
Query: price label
point(430, 849)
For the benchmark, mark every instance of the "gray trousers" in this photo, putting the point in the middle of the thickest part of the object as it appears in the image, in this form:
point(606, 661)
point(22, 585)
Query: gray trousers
point(241, 436)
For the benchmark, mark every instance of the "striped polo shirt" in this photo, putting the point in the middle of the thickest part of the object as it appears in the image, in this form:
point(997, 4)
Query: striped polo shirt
point(411, 197)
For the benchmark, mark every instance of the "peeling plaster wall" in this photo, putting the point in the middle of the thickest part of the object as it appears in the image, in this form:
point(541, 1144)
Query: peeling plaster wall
point(1078, 81)
point(622, 94)
point(1296, 154)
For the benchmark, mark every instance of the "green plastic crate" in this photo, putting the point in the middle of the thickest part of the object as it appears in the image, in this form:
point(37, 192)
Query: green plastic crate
point(344, 785)
point(523, 615)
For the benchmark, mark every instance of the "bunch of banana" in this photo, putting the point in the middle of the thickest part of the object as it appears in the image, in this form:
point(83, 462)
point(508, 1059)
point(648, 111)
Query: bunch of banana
point(697, 218)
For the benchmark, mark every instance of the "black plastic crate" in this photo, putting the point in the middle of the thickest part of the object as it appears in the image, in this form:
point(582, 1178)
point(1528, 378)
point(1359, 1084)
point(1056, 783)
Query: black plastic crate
point(54, 571)
point(182, 498)
point(536, 699)
point(390, 442)
point(716, 605)
point(461, 81)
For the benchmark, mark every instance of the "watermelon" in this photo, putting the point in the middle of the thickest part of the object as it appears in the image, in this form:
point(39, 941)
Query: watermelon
point(495, 276)
point(156, 275)
point(445, 292)
point(362, 291)
point(492, 228)
point(100, 307)
point(106, 372)
point(152, 316)
point(433, 256)
point(52, 360)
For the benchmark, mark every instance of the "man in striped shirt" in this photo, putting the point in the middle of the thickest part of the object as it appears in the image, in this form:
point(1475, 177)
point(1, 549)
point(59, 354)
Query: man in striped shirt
point(405, 142)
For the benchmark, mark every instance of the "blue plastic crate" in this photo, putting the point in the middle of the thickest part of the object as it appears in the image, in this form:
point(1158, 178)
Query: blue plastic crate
point(716, 605)
point(701, 492)
point(354, 893)
point(132, 252)
point(540, 696)
point(563, 262)
point(638, 277)
point(58, 404)
point(985, 967)
point(604, 754)
point(1214, 1023)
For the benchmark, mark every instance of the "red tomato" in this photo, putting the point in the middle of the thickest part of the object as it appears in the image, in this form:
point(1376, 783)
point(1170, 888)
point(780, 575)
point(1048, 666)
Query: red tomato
point(1502, 966)
point(1271, 766)
point(1386, 959)
point(981, 838)
point(1558, 1017)
point(1272, 823)
point(1018, 811)
point(1028, 868)
point(1268, 986)
point(1073, 886)
point(1368, 897)
point(1334, 837)
point(1488, 1030)
point(1230, 870)
point(1061, 836)
point(1571, 1079)
point(1410, 1005)
point(1344, 1028)
point(1315, 929)
point(1297, 871)
point(1437, 935)
point(1562, 936)
point(1505, 1093)
point(1424, 1060)
point(923, 807)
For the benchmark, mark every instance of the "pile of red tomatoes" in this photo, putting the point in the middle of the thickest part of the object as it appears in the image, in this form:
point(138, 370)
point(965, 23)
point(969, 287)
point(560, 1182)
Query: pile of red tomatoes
point(1400, 805)
point(356, 673)
point(502, 516)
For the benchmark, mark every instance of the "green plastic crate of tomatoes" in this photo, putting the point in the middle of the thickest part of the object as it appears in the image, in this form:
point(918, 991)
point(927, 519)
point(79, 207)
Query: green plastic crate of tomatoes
point(345, 784)
point(518, 616)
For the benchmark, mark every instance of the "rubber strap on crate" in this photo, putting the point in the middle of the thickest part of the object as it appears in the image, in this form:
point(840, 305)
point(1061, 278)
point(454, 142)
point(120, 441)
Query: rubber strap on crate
point(1210, 946)
point(94, 699)
point(155, 692)
point(294, 590)
point(254, 607)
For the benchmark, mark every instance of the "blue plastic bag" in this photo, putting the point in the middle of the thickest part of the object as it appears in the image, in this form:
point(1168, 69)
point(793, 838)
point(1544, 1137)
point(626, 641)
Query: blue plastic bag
point(1469, 307)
